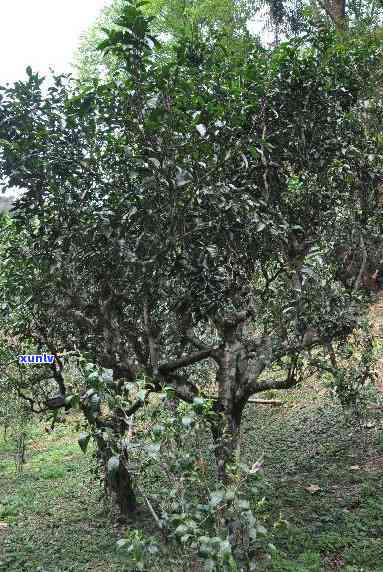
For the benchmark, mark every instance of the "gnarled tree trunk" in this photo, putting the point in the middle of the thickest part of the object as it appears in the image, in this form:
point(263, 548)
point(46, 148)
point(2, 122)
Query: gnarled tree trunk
point(120, 489)
point(226, 433)
point(231, 372)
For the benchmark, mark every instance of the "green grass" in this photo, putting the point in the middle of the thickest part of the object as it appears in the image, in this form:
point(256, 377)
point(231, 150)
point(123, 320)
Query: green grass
point(57, 522)
point(339, 526)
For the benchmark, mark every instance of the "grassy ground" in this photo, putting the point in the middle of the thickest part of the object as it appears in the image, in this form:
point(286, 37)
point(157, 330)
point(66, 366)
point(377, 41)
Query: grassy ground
point(323, 491)
point(55, 519)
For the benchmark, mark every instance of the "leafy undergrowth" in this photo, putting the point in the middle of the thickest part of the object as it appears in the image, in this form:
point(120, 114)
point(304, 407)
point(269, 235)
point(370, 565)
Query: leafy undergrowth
point(323, 496)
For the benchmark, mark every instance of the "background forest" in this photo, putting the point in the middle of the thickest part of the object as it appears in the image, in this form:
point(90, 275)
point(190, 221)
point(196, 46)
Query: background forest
point(198, 221)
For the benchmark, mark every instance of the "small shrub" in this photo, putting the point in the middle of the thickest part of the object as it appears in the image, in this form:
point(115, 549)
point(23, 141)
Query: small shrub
point(172, 461)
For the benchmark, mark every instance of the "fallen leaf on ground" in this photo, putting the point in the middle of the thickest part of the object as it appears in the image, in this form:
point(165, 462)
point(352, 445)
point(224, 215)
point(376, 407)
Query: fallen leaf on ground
point(354, 468)
point(312, 489)
point(3, 525)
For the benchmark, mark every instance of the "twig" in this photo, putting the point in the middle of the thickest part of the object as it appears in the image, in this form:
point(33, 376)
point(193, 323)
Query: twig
point(155, 516)
point(274, 402)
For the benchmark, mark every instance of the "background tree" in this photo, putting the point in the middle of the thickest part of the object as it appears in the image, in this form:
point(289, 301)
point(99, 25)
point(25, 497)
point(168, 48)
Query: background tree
point(173, 21)
point(287, 19)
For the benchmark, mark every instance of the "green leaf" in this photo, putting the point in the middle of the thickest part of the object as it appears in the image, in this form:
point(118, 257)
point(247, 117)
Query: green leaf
point(155, 162)
point(181, 530)
point(89, 393)
point(216, 498)
point(187, 421)
point(93, 376)
point(95, 400)
point(153, 549)
point(261, 530)
point(243, 504)
point(225, 547)
point(201, 128)
point(83, 441)
point(198, 403)
point(153, 449)
point(158, 429)
point(142, 394)
point(230, 495)
point(71, 400)
point(170, 391)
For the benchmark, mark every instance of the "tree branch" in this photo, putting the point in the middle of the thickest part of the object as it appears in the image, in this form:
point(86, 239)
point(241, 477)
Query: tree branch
point(267, 384)
point(195, 341)
point(335, 9)
point(80, 318)
point(30, 401)
point(186, 360)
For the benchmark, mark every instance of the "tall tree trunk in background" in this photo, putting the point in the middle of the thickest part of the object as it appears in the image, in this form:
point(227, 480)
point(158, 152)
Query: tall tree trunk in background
point(336, 9)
